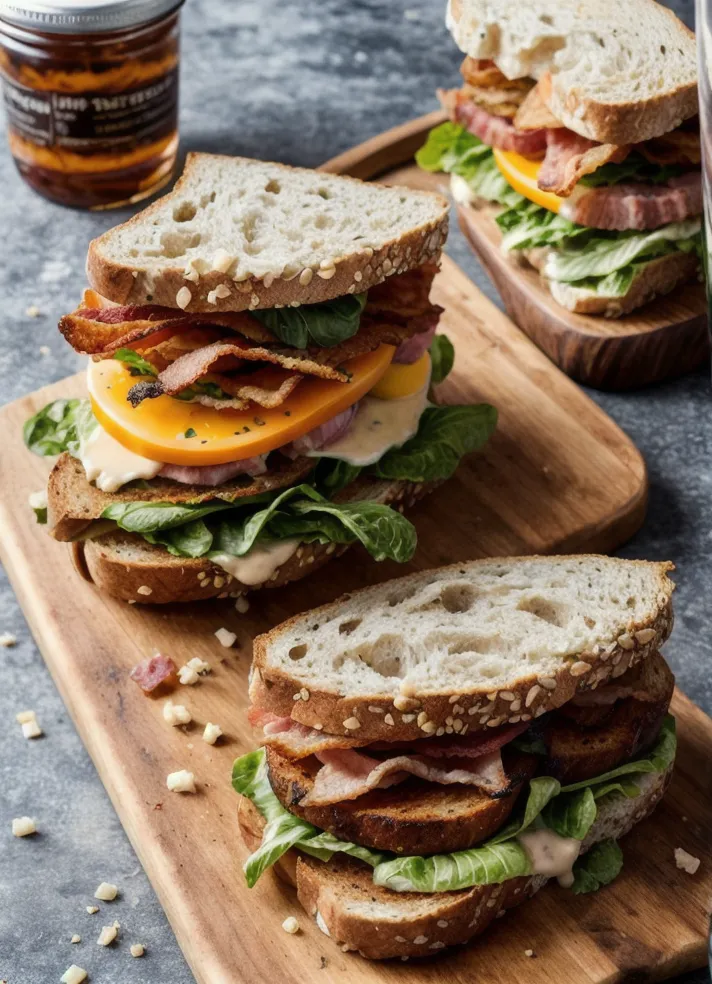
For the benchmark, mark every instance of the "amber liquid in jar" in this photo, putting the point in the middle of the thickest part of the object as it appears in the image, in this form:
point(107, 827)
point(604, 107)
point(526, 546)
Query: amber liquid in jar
point(93, 118)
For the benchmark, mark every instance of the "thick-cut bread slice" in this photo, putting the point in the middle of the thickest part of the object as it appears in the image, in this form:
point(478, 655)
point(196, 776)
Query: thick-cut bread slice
point(267, 235)
point(128, 567)
point(621, 73)
point(381, 924)
point(463, 647)
point(414, 817)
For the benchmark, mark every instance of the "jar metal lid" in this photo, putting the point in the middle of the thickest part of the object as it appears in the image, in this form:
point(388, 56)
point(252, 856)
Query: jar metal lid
point(83, 16)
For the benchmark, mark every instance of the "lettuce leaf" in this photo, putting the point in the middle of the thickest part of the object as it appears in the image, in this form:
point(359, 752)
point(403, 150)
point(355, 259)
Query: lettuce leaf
point(59, 426)
point(138, 366)
point(634, 168)
point(490, 864)
point(571, 814)
point(325, 324)
point(527, 226)
point(444, 436)
point(442, 359)
point(597, 867)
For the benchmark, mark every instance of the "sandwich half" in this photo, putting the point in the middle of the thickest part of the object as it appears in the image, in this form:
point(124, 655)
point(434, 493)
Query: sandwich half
point(577, 126)
point(263, 355)
point(435, 748)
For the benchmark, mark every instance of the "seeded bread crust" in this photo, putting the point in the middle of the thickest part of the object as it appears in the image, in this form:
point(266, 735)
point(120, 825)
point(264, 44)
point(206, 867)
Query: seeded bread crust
point(127, 567)
point(336, 276)
point(405, 718)
point(381, 924)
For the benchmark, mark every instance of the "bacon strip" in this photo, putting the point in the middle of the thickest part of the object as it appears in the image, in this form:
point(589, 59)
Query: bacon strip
point(496, 131)
point(484, 72)
point(639, 206)
point(534, 114)
point(568, 157)
point(347, 774)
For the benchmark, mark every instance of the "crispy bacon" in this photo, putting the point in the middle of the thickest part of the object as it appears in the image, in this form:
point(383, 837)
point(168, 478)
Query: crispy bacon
point(678, 147)
point(569, 156)
point(639, 206)
point(496, 131)
point(533, 113)
point(484, 72)
point(347, 774)
point(152, 672)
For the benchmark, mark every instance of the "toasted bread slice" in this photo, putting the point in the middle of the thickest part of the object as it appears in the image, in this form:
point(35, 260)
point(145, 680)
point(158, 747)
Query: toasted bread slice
point(620, 73)
point(128, 567)
point(269, 235)
point(464, 647)
point(381, 923)
point(414, 817)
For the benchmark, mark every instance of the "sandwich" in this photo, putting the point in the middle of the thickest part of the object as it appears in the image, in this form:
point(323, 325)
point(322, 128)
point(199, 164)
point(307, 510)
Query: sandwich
point(436, 747)
point(263, 353)
point(577, 128)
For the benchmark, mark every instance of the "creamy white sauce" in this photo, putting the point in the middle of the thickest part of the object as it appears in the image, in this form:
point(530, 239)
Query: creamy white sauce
point(551, 855)
point(321, 924)
point(567, 208)
point(259, 564)
point(110, 464)
point(378, 426)
point(460, 190)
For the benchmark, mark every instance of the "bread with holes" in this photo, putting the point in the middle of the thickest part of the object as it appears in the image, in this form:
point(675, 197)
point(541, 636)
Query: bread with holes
point(381, 924)
point(465, 647)
point(264, 235)
point(128, 567)
point(620, 73)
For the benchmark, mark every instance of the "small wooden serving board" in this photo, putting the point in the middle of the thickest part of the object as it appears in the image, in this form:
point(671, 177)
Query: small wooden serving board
point(666, 338)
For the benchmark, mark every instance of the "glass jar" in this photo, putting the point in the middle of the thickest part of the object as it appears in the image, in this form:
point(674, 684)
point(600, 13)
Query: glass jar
point(91, 96)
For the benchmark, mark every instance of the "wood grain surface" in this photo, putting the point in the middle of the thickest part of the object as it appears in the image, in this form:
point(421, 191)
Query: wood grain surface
point(666, 338)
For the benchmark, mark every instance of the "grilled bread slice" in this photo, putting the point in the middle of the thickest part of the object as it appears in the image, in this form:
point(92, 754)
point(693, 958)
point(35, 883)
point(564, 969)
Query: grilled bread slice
point(267, 235)
point(381, 924)
point(414, 817)
point(464, 647)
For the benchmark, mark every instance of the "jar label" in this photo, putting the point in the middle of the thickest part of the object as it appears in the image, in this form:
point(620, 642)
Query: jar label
point(94, 121)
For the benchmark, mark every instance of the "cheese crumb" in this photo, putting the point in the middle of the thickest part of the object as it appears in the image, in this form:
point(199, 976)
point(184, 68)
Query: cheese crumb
point(24, 716)
point(290, 925)
point(181, 782)
point(686, 862)
point(187, 675)
point(137, 949)
point(242, 605)
point(31, 729)
point(73, 975)
point(176, 714)
point(23, 826)
point(108, 934)
point(7, 639)
point(528, 953)
point(106, 892)
point(32, 311)
point(76, 938)
point(225, 637)
point(199, 665)
point(91, 909)
point(212, 733)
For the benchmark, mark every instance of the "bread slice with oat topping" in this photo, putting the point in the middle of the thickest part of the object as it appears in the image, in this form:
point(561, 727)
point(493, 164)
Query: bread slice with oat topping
point(465, 647)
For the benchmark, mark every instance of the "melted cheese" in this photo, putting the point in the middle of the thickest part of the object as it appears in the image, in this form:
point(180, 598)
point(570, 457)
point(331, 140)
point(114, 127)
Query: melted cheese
point(110, 465)
point(551, 855)
point(378, 426)
point(259, 564)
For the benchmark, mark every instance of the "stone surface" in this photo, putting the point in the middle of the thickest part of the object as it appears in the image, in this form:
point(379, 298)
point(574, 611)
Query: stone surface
point(298, 82)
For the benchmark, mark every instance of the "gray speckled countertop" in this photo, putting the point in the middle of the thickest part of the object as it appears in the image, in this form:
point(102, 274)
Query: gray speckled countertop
point(297, 82)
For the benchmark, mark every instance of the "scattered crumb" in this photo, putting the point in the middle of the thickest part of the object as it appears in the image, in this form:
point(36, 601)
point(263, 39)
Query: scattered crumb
point(91, 909)
point(529, 953)
point(360, 57)
point(187, 676)
point(45, 350)
point(176, 714)
point(108, 934)
point(181, 782)
point(32, 311)
point(242, 604)
point(686, 862)
point(31, 729)
point(290, 925)
point(684, 819)
point(24, 716)
point(225, 637)
point(144, 590)
point(106, 892)
point(212, 733)
point(323, 962)
point(73, 975)
point(24, 826)
point(76, 938)
point(137, 949)
point(7, 639)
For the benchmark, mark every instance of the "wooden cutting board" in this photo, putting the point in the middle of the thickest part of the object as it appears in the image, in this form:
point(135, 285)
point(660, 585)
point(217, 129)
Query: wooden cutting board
point(663, 339)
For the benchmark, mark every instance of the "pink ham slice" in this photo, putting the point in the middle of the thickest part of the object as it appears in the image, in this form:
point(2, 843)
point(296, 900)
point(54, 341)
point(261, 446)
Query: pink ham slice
point(347, 774)
point(152, 672)
point(639, 206)
point(214, 474)
point(499, 132)
point(322, 436)
point(414, 348)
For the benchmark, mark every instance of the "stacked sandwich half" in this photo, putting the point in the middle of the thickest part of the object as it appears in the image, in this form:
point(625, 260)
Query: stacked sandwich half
point(578, 122)
point(449, 741)
point(263, 353)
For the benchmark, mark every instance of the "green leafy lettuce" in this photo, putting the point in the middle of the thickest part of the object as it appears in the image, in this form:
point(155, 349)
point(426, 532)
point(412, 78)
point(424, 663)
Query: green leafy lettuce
point(325, 324)
point(60, 426)
point(442, 358)
point(570, 811)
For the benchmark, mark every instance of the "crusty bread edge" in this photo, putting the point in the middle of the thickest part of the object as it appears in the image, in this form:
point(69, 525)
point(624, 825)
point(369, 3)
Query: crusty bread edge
point(415, 716)
point(126, 284)
point(455, 917)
